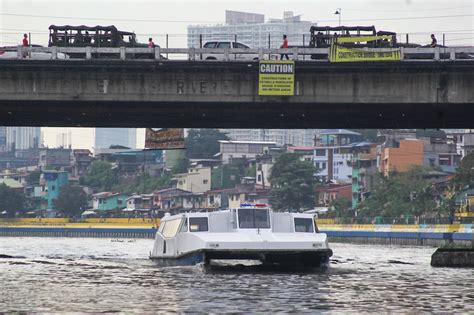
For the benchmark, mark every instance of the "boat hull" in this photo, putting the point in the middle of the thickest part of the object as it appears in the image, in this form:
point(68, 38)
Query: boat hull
point(271, 258)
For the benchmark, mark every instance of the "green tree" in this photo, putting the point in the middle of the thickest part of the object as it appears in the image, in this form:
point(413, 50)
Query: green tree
point(33, 178)
point(71, 201)
point(203, 143)
point(292, 183)
point(101, 176)
point(465, 172)
point(145, 184)
point(340, 206)
point(181, 166)
point(11, 201)
point(407, 193)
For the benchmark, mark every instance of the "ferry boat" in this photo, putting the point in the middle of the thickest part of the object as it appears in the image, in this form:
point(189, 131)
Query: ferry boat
point(251, 232)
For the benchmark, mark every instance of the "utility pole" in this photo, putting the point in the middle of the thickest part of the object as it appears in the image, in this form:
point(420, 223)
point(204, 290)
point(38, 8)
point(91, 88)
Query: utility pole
point(339, 13)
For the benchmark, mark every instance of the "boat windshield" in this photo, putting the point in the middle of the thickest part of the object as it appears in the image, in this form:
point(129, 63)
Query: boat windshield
point(252, 218)
point(304, 225)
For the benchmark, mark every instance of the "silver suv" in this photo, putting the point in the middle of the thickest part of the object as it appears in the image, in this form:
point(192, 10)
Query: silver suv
point(227, 44)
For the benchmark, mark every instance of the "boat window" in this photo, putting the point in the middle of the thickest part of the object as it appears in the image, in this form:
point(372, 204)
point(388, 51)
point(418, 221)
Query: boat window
point(254, 219)
point(171, 227)
point(198, 225)
point(184, 227)
point(162, 226)
point(304, 225)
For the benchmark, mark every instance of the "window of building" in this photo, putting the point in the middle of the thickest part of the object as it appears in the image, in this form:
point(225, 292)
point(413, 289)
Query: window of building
point(323, 165)
point(320, 152)
point(119, 202)
point(259, 178)
point(304, 225)
point(205, 181)
point(211, 199)
point(198, 225)
point(53, 188)
point(432, 162)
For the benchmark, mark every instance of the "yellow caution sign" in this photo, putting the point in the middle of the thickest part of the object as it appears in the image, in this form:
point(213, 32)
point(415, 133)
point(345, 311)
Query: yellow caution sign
point(343, 54)
point(276, 77)
point(356, 39)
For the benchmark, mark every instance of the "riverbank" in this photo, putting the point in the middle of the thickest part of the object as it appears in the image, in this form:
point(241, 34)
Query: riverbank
point(411, 235)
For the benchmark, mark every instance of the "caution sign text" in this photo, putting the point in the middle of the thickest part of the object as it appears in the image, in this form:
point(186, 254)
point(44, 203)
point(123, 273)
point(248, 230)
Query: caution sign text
point(276, 77)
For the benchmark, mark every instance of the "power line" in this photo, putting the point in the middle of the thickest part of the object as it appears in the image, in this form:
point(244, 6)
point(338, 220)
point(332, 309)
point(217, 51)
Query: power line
point(403, 18)
point(107, 19)
point(411, 10)
point(204, 21)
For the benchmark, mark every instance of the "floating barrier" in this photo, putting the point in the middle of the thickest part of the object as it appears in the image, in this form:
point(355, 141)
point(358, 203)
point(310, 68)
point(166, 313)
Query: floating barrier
point(78, 232)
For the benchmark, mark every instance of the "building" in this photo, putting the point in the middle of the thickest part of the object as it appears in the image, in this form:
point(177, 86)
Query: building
point(107, 137)
point(12, 184)
point(247, 192)
point(333, 150)
point(53, 180)
point(295, 137)
point(440, 153)
point(364, 174)
point(325, 195)
point(251, 29)
point(230, 149)
point(107, 201)
point(81, 160)
point(463, 139)
point(54, 158)
point(403, 155)
point(20, 138)
point(196, 180)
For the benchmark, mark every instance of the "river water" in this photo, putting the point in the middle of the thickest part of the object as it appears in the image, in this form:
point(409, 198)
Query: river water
point(104, 275)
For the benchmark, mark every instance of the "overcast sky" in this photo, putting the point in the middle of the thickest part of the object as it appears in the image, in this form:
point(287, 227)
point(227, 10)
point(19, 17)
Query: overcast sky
point(157, 18)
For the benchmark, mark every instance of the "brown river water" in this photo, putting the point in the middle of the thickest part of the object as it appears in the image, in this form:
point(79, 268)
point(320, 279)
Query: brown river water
point(104, 275)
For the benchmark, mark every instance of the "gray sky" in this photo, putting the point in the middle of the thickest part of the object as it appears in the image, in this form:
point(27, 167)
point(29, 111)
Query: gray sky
point(157, 18)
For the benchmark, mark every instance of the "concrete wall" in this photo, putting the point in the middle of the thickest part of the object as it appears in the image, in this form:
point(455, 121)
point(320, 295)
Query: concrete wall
point(188, 94)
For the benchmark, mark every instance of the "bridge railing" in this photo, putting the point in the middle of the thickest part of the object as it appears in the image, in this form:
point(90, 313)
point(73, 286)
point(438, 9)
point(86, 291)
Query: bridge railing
point(226, 54)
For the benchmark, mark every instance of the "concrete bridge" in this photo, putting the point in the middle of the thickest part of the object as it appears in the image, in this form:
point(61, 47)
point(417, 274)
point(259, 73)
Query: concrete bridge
point(165, 93)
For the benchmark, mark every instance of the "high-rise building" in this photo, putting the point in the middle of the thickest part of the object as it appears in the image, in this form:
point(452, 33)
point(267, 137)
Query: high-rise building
point(296, 137)
point(21, 138)
point(250, 28)
point(106, 137)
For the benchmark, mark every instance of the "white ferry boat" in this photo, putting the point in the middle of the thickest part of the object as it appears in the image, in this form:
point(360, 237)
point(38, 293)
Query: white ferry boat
point(252, 232)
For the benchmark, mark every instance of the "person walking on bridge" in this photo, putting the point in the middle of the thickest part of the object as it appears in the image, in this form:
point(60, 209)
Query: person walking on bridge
point(284, 45)
point(151, 44)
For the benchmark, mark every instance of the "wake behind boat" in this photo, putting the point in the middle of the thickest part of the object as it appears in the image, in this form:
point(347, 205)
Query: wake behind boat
point(250, 232)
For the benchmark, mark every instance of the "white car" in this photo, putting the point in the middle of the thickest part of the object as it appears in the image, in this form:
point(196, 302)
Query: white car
point(227, 44)
point(11, 53)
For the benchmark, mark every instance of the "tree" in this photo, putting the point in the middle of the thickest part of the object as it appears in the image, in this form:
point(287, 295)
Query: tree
point(465, 172)
point(181, 166)
point(431, 133)
point(33, 178)
point(292, 183)
point(145, 184)
point(407, 193)
point(11, 201)
point(72, 201)
point(340, 206)
point(101, 176)
point(203, 143)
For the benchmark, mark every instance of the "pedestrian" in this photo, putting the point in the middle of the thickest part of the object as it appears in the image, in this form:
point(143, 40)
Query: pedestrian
point(25, 44)
point(151, 44)
point(25, 40)
point(284, 45)
point(434, 42)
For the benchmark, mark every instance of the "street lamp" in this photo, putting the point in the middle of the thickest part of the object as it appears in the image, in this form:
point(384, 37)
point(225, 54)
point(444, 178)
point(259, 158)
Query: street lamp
point(339, 12)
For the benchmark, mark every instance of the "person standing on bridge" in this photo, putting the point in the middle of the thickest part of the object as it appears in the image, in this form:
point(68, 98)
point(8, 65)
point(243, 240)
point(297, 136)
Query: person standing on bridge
point(151, 44)
point(434, 42)
point(25, 44)
point(284, 45)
